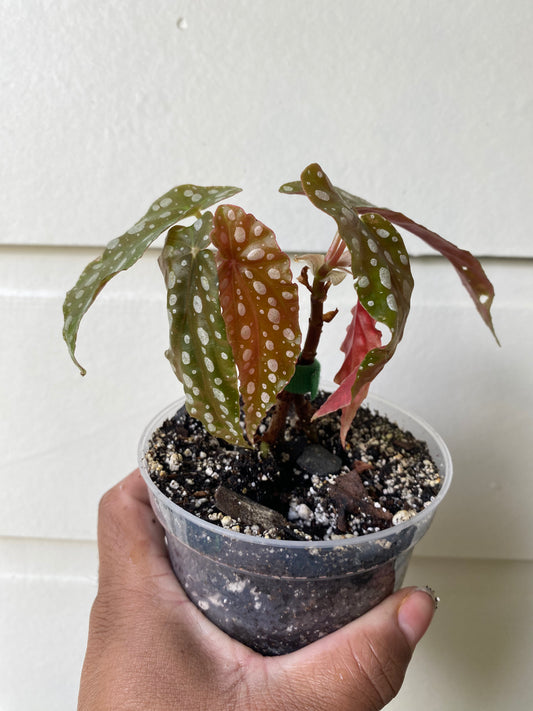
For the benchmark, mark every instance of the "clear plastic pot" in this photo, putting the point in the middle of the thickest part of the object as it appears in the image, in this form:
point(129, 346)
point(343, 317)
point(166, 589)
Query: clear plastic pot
point(278, 596)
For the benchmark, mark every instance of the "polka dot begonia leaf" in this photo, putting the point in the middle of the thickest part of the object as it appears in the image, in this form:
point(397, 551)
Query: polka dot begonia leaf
point(260, 307)
point(465, 264)
point(380, 267)
point(199, 352)
point(468, 268)
point(122, 252)
point(296, 188)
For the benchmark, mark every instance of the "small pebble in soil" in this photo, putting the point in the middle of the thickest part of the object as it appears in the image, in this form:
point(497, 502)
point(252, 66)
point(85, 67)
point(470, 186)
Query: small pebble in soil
point(316, 459)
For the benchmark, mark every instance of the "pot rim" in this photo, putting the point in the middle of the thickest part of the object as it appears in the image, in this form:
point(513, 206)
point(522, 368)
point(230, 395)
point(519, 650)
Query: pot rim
point(390, 409)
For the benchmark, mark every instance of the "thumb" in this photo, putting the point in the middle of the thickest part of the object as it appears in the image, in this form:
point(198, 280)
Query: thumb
point(361, 667)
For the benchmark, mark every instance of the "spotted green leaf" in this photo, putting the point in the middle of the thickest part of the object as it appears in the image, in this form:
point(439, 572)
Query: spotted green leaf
point(260, 307)
point(296, 188)
point(199, 352)
point(380, 267)
point(122, 252)
point(468, 268)
point(465, 264)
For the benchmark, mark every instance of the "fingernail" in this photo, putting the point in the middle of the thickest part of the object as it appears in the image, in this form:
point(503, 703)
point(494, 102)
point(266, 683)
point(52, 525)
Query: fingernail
point(416, 612)
point(432, 594)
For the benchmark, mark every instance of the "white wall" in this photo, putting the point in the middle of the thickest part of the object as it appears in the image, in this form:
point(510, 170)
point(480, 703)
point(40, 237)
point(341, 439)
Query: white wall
point(423, 107)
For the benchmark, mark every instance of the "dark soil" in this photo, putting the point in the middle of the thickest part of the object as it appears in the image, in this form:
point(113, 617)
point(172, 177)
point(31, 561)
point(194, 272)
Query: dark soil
point(307, 487)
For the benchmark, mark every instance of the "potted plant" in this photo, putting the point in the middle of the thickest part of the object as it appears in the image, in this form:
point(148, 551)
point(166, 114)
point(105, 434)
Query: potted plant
point(288, 510)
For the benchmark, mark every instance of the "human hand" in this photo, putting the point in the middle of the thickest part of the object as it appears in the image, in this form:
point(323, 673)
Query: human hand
point(150, 648)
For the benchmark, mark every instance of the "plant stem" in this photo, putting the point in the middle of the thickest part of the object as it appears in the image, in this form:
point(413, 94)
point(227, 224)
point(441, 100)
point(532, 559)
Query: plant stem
point(279, 417)
point(286, 400)
point(319, 292)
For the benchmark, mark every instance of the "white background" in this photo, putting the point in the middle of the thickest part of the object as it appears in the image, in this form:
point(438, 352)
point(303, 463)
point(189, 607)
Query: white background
point(422, 107)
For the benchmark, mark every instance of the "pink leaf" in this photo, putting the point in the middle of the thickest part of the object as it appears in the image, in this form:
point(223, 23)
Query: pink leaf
point(362, 337)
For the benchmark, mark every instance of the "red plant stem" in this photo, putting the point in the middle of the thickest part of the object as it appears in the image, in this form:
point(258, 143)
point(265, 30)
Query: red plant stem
point(285, 400)
point(279, 418)
point(305, 411)
point(319, 292)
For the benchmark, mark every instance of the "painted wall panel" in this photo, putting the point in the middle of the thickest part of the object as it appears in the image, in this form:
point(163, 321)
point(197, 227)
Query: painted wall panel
point(424, 107)
point(46, 592)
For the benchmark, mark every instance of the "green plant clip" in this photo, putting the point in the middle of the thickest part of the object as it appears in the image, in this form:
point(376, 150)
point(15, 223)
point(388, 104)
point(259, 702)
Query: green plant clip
point(305, 380)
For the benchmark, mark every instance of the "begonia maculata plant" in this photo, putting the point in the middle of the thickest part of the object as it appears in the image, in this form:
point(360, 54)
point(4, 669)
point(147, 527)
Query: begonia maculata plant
point(235, 340)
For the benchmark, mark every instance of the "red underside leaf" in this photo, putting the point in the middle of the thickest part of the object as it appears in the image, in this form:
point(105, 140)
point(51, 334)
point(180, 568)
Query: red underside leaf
point(362, 337)
point(467, 266)
point(259, 306)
